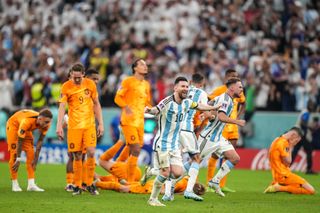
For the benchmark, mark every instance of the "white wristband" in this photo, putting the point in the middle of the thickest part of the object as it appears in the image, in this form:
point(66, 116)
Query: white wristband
point(18, 159)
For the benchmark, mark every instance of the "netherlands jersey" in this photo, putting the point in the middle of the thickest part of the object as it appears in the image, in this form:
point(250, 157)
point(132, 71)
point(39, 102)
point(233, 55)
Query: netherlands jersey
point(216, 126)
point(170, 118)
point(196, 95)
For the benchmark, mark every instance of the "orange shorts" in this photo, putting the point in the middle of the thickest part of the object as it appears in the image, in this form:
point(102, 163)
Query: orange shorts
point(181, 185)
point(12, 139)
point(133, 135)
point(230, 132)
point(291, 179)
point(79, 139)
point(136, 188)
point(119, 169)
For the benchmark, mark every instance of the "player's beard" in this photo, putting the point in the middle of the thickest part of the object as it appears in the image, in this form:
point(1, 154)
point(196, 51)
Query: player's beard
point(183, 95)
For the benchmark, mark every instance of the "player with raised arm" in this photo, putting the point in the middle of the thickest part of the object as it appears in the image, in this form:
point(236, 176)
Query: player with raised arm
point(20, 138)
point(230, 131)
point(171, 113)
point(211, 139)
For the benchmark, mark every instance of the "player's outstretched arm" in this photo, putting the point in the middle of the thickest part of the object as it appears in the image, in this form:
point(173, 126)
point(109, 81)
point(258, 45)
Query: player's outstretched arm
point(59, 128)
point(151, 110)
point(38, 149)
point(224, 118)
point(98, 115)
point(16, 164)
point(206, 107)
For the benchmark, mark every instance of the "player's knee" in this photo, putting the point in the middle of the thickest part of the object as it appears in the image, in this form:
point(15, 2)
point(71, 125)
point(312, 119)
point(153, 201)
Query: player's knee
point(135, 149)
point(214, 156)
point(235, 159)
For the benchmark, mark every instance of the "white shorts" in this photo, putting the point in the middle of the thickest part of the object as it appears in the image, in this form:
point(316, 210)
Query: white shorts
point(189, 142)
point(165, 159)
point(207, 147)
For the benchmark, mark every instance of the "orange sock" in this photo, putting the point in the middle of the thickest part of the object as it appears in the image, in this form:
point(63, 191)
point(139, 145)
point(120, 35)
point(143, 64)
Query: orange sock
point(77, 172)
point(69, 178)
point(84, 172)
point(223, 181)
point(131, 167)
point(109, 185)
point(294, 190)
point(30, 156)
point(124, 154)
point(91, 164)
point(108, 178)
point(211, 168)
point(112, 151)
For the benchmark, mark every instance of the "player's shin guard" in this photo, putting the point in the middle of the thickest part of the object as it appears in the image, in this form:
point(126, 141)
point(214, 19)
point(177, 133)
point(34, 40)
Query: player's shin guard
point(193, 174)
point(186, 167)
point(90, 170)
point(124, 154)
point(157, 185)
point(132, 164)
point(223, 171)
point(77, 172)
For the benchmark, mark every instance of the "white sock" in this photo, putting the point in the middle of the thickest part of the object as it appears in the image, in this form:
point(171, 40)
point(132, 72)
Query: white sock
point(154, 171)
point(157, 185)
point(167, 188)
point(193, 174)
point(15, 182)
point(223, 171)
point(31, 182)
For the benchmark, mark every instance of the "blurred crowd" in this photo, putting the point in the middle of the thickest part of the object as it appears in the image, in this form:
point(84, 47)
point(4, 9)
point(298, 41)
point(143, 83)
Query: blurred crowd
point(273, 44)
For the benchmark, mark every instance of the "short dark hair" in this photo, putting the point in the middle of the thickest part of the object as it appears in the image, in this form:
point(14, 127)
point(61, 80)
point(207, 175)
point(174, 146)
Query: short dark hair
point(229, 71)
point(135, 63)
point(180, 78)
point(297, 130)
point(77, 67)
point(91, 71)
point(197, 78)
point(232, 81)
point(46, 113)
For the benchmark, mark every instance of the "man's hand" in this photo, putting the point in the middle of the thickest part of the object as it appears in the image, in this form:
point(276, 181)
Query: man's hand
point(16, 165)
point(60, 133)
point(241, 122)
point(100, 130)
point(147, 109)
point(34, 164)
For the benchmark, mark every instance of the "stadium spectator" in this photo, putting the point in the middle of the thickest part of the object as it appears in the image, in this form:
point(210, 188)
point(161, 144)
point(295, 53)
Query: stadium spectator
point(171, 35)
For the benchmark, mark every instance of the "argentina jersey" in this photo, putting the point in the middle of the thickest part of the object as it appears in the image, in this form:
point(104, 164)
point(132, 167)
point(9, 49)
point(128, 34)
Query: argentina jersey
point(216, 126)
point(196, 95)
point(170, 118)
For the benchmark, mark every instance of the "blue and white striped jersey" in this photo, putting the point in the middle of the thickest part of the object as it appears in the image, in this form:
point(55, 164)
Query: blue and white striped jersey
point(170, 118)
point(196, 95)
point(216, 126)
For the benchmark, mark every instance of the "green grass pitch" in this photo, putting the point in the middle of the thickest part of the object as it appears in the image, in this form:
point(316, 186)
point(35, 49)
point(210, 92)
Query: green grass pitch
point(248, 198)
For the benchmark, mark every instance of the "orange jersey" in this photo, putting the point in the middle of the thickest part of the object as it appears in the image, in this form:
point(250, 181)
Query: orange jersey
point(80, 102)
point(135, 94)
point(279, 149)
point(222, 89)
point(24, 122)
